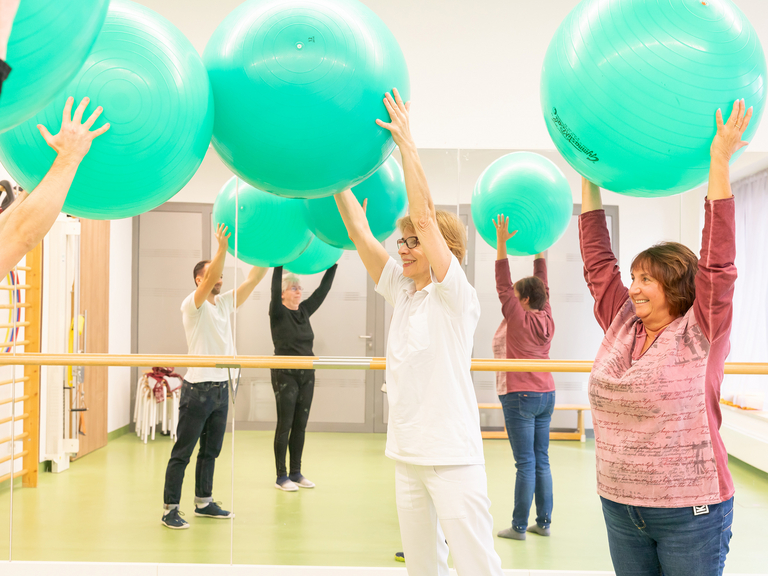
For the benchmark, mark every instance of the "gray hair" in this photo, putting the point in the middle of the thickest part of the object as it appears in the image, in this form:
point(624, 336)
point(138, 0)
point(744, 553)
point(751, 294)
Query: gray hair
point(290, 279)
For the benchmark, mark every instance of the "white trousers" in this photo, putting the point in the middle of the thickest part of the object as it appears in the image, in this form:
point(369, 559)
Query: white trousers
point(439, 503)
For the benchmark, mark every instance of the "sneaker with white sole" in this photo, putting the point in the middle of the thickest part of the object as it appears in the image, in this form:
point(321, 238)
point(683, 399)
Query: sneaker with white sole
point(213, 510)
point(286, 485)
point(302, 482)
point(173, 520)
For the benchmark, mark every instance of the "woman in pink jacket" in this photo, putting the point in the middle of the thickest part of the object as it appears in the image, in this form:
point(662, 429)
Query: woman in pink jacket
point(527, 398)
point(662, 473)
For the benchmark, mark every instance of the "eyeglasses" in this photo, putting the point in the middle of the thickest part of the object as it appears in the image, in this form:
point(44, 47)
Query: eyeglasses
point(295, 288)
point(411, 242)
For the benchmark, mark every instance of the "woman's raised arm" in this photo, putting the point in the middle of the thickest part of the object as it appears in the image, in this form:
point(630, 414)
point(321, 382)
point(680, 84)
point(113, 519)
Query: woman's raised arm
point(371, 252)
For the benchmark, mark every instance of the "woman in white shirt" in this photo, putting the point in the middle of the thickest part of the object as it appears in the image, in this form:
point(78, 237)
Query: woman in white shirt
point(434, 430)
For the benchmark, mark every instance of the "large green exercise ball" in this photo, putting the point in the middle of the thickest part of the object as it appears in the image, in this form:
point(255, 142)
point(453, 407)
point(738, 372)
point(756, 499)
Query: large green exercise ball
point(530, 190)
point(299, 85)
point(48, 44)
point(155, 93)
point(630, 88)
point(271, 230)
point(318, 257)
point(387, 202)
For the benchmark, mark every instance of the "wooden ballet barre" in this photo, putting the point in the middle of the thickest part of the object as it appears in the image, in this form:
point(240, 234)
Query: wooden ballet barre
point(309, 362)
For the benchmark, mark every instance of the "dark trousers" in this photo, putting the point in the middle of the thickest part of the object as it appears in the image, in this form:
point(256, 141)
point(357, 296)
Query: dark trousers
point(293, 395)
point(202, 416)
point(669, 541)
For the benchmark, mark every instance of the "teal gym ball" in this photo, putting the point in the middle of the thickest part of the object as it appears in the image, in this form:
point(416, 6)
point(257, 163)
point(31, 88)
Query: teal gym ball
point(530, 190)
point(387, 202)
point(298, 86)
point(271, 230)
point(318, 257)
point(155, 93)
point(629, 89)
point(49, 42)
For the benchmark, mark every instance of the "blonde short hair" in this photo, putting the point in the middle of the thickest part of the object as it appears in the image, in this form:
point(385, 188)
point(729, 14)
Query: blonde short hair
point(452, 229)
point(290, 279)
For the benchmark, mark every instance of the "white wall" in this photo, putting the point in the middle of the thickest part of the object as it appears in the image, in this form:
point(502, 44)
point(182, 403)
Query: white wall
point(119, 378)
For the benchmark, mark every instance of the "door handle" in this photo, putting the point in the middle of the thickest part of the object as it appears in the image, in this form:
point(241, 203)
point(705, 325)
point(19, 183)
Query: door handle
point(366, 337)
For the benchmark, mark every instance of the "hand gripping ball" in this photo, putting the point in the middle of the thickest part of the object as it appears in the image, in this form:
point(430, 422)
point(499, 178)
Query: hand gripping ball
point(532, 192)
point(318, 257)
point(155, 93)
point(48, 44)
point(387, 201)
point(630, 88)
point(271, 230)
point(298, 86)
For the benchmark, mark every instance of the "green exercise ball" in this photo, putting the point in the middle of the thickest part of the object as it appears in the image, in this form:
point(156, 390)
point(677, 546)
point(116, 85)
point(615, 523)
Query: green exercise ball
point(49, 42)
point(155, 93)
point(387, 202)
point(630, 88)
point(271, 230)
point(530, 190)
point(318, 257)
point(298, 86)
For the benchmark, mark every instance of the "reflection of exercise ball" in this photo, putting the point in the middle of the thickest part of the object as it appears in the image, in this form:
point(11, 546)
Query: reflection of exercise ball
point(532, 192)
point(156, 96)
point(387, 201)
point(318, 257)
point(630, 88)
point(49, 42)
point(298, 86)
point(272, 231)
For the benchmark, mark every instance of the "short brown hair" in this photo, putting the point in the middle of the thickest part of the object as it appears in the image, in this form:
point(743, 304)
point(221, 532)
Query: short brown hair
point(199, 269)
point(674, 266)
point(534, 289)
point(452, 229)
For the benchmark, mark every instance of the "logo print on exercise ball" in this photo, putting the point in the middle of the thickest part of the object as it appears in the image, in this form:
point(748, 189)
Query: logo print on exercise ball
point(572, 138)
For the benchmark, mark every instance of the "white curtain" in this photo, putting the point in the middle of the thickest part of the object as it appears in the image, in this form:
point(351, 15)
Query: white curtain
point(749, 336)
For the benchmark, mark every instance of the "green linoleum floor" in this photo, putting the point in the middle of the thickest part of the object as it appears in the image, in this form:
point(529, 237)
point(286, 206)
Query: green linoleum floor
point(107, 507)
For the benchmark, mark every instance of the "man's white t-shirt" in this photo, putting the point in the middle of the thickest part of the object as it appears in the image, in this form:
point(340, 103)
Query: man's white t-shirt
point(433, 415)
point(209, 332)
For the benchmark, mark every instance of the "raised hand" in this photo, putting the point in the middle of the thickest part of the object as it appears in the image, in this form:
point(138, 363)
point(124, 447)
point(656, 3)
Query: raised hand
point(502, 229)
point(74, 139)
point(399, 123)
point(728, 139)
point(222, 237)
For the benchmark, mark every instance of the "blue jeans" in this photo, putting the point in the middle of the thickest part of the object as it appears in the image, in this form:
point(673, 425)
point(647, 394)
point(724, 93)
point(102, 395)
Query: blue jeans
point(668, 541)
point(202, 416)
point(527, 415)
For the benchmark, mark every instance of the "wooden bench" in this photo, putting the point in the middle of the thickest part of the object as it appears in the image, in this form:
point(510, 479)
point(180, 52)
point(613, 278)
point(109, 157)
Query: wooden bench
point(578, 434)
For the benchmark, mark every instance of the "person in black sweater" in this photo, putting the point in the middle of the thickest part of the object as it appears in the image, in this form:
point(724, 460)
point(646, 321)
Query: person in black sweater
point(292, 336)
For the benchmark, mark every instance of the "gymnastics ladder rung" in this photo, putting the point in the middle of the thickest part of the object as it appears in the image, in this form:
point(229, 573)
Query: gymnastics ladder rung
point(14, 400)
point(15, 456)
point(17, 380)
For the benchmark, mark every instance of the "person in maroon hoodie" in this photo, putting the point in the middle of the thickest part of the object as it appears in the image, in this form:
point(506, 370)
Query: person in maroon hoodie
point(529, 398)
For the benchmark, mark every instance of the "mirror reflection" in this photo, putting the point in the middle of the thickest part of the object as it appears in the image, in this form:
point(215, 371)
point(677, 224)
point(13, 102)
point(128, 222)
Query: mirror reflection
point(266, 200)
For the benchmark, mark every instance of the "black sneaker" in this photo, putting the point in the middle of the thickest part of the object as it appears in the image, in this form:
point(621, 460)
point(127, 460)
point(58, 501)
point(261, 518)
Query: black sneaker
point(173, 520)
point(399, 556)
point(213, 510)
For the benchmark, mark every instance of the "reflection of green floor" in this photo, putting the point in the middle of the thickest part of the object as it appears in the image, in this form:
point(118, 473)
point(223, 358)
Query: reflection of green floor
point(107, 507)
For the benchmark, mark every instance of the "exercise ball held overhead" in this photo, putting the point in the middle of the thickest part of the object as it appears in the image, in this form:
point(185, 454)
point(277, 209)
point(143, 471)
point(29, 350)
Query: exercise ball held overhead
point(630, 88)
point(155, 93)
point(298, 86)
point(271, 231)
point(387, 201)
point(318, 257)
point(49, 41)
point(530, 190)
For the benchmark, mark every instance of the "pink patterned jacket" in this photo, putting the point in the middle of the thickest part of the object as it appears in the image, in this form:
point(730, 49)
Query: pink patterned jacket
point(657, 415)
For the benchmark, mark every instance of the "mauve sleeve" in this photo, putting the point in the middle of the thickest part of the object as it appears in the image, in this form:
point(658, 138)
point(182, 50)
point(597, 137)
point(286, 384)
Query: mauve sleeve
point(601, 270)
point(510, 306)
point(716, 276)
